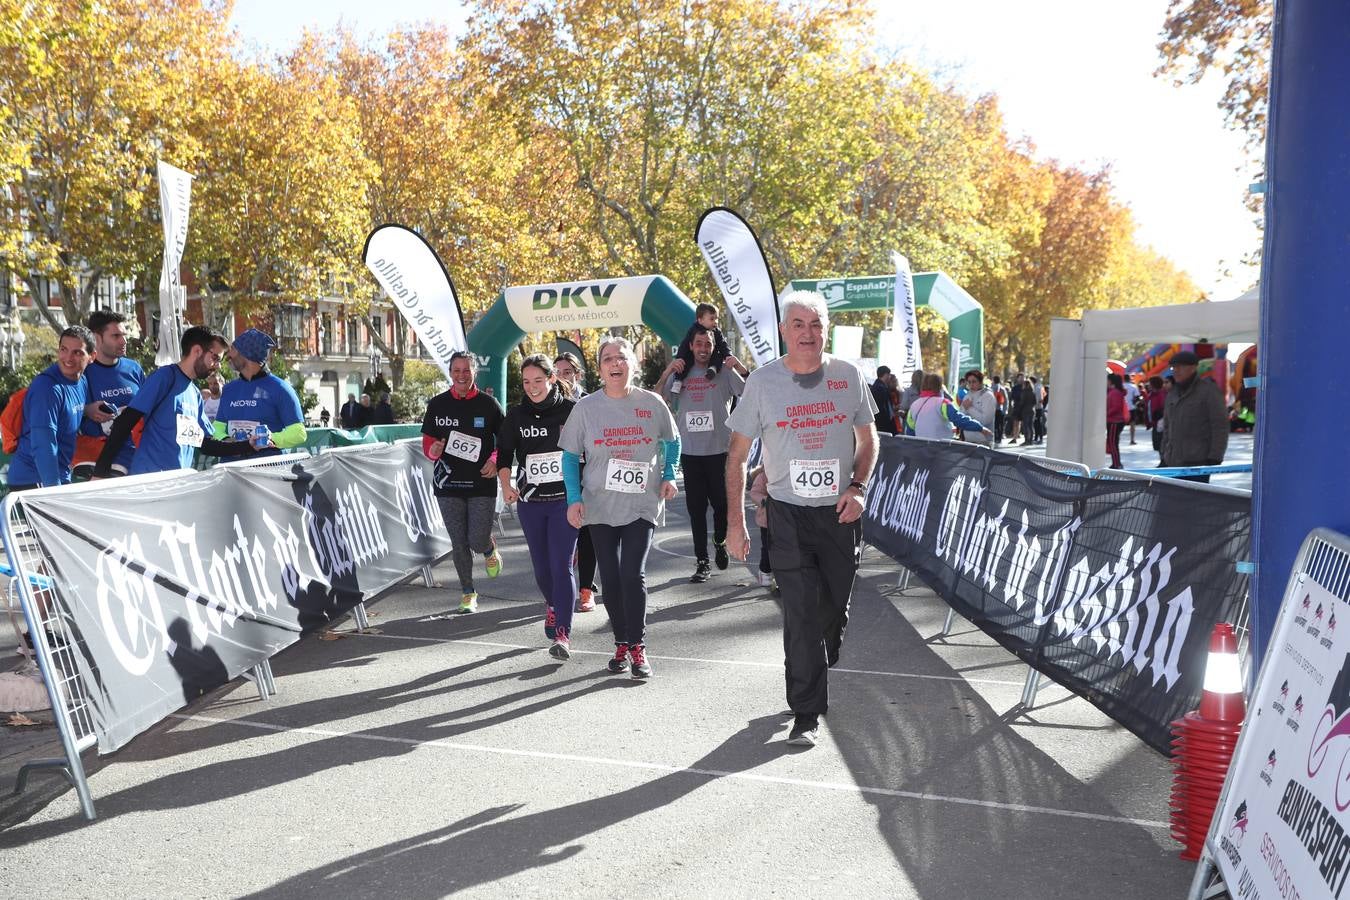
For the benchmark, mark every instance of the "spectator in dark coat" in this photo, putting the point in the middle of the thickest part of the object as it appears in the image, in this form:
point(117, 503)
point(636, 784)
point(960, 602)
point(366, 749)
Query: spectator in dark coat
point(1196, 417)
point(350, 413)
point(881, 395)
point(384, 412)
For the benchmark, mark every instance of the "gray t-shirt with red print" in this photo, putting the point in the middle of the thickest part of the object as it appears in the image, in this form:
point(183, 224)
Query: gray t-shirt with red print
point(805, 425)
point(619, 440)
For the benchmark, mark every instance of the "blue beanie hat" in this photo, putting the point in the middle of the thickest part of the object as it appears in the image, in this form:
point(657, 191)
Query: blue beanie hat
point(254, 345)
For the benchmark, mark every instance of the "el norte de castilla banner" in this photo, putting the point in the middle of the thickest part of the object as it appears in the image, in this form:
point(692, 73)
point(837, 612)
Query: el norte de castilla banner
point(174, 585)
point(737, 263)
point(417, 283)
point(1109, 587)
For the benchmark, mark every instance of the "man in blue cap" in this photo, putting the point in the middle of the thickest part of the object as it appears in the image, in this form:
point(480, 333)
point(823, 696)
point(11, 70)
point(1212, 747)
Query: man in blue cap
point(258, 397)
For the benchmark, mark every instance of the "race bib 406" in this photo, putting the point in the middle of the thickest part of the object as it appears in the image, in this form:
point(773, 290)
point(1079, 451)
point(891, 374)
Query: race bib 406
point(626, 476)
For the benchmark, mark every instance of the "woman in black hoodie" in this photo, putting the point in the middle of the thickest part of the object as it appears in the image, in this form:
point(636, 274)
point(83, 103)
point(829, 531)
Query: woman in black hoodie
point(528, 441)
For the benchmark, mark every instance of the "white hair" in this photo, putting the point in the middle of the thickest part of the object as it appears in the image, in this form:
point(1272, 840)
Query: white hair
point(625, 348)
point(811, 301)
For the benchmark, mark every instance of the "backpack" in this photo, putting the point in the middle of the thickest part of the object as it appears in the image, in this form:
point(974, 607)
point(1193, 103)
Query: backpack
point(11, 422)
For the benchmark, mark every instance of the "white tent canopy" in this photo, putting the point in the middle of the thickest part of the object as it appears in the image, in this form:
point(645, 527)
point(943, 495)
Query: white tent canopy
point(1078, 360)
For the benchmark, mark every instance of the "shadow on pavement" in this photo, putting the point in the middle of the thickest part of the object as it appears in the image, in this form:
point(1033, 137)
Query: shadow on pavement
point(942, 737)
point(244, 775)
point(491, 847)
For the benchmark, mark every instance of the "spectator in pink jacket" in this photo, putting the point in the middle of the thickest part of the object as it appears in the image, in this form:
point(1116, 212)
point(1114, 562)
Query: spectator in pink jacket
point(1117, 416)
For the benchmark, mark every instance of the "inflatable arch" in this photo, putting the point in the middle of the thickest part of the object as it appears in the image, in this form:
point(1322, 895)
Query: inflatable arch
point(650, 300)
point(964, 314)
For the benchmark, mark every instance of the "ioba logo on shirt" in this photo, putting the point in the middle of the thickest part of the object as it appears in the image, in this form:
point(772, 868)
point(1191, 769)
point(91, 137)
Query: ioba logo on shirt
point(534, 431)
point(447, 421)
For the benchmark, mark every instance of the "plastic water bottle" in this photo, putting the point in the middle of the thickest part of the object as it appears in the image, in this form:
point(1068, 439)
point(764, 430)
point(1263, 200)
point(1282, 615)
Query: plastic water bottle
point(261, 436)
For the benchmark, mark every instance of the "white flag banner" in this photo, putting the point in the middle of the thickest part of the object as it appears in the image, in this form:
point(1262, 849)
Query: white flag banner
point(737, 263)
point(412, 275)
point(906, 322)
point(175, 196)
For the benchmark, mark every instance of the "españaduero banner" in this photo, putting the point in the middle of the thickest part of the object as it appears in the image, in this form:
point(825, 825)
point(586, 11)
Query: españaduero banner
point(738, 265)
point(419, 286)
point(174, 586)
point(1109, 587)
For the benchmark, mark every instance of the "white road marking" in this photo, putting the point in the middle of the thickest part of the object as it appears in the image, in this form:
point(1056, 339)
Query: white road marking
point(777, 666)
point(688, 770)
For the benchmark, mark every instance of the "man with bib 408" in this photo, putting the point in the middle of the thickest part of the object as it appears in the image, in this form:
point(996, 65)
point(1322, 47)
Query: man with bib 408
point(814, 416)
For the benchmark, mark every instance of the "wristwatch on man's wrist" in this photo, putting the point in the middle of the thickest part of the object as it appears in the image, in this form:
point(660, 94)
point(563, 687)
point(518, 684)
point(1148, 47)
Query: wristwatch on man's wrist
point(859, 485)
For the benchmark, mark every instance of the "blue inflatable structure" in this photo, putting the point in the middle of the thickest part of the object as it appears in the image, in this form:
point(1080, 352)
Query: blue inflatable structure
point(1300, 479)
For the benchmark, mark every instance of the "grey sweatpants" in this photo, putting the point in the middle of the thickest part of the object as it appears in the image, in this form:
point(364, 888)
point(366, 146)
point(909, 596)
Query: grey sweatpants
point(469, 522)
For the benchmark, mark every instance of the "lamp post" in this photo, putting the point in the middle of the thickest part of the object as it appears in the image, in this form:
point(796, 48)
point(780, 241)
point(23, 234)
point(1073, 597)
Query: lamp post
point(16, 340)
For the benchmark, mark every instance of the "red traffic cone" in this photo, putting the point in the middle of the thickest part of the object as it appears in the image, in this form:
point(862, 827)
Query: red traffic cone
point(1204, 741)
point(1222, 698)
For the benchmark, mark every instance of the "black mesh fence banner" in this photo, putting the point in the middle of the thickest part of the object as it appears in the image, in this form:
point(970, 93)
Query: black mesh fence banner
point(1108, 587)
point(172, 587)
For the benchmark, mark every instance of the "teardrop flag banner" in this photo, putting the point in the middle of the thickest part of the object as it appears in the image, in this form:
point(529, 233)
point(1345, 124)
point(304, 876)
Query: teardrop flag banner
point(741, 270)
point(175, 198)
point(906, 320)
point(417, 283)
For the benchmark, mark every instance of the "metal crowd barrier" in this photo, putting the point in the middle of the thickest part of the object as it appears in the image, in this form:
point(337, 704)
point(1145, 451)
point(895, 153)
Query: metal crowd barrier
point(1182, 471)
point(54, 643)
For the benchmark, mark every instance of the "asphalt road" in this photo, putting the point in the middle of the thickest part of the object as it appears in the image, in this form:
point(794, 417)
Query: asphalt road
point(452, 754)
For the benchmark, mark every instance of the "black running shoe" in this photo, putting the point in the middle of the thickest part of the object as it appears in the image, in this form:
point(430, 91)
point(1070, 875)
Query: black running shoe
point(720, 555)
point(641, 668)
point(619, 664)
point(805, 730)
point(702, 573)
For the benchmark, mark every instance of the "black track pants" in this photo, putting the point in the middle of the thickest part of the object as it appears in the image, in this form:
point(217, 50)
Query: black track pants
point(705, 484)
point(815, 560)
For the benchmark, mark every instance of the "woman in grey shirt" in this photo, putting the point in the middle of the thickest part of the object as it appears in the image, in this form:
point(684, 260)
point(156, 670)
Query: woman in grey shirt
point(627, 439)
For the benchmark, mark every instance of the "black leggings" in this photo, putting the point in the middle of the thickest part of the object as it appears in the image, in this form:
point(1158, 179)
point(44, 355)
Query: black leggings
point(705, 484)
point(621, 554)
point(1113, 430)
point(585, 559)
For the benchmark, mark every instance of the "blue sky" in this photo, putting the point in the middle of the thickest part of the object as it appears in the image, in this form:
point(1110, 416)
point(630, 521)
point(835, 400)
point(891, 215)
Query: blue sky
point(1074, 76)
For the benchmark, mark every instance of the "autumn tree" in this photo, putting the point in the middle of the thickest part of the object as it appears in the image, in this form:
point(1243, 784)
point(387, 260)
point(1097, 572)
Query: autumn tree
point(92, 95)
point(448, 164)
point(1232, 37)
point(279, 200)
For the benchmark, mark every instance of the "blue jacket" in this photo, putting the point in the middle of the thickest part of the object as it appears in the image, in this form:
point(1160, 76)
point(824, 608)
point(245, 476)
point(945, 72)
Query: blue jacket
point(52, 411)
point(116, 385)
